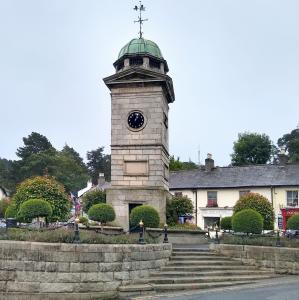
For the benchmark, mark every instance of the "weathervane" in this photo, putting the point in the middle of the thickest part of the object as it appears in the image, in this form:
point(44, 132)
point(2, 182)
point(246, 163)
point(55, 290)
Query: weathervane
point(140, 20)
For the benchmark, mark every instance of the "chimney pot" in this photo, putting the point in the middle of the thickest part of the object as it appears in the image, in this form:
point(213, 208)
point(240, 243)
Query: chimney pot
point(209, 162)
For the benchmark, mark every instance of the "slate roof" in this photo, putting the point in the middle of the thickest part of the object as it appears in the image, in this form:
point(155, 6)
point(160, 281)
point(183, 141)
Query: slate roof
point(229, 177)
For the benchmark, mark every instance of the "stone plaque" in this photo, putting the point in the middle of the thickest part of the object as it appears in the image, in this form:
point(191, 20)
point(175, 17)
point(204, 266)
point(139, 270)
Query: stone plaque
point(136, 168)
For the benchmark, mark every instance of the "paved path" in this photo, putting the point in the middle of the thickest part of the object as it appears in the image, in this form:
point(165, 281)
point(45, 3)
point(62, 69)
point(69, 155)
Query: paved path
point(282, 288)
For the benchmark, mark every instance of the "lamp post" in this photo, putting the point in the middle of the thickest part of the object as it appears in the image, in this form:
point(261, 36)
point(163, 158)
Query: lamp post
point(141, 233)
point(165, 234)
point(77, 233)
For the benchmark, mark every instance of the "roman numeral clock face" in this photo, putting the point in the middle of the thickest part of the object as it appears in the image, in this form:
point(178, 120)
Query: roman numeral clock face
point(136, 120)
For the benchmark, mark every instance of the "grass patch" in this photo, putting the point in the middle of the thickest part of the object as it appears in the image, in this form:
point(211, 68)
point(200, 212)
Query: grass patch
point(185, 226)
point(65, 235)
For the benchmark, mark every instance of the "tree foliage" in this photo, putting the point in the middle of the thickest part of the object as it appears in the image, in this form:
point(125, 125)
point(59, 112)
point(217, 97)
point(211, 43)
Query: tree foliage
point(148, 214)
point(247, 221)
point(293, 222)
point(258, 203)
point(252, 148)
point(177, 206)
point(98, 162)
point(226, 223)
point(102, 213)
point(4, 203)
point(176, 165)
point(46, 188)
point(34, 208)
point(93, 197)
point(290, 142)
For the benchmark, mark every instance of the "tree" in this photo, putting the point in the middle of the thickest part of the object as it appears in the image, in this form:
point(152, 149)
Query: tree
point(93, 197)
point(102, 213)
point(258, 203)
point(47, 188)
point(73, 154)
point(252, 148)
point(290, 142)
point(177, 206)
point(247, 221)
point(34, 208)
point(98, 162)
point(176, 165)
point(33, 144)
point(145, 213)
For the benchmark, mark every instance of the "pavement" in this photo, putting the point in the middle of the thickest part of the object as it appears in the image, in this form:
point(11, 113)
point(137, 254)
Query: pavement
point(280, 288)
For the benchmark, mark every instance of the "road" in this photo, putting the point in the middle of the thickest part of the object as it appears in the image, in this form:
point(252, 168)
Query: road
point(282, 288)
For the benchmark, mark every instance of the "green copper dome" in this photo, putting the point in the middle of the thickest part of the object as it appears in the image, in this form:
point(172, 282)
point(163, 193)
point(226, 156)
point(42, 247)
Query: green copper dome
point(141, 46)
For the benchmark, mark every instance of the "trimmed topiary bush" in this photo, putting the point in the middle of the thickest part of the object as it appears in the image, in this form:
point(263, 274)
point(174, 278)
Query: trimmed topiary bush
point(176, 206)
point(93, 197)
point(11, 211)
point(226, 223)
point(146, 213)
point(34, 208)
point(293, 222)
point(47, 188)
point(102, 213)
point(260, 204)
point(247, 221)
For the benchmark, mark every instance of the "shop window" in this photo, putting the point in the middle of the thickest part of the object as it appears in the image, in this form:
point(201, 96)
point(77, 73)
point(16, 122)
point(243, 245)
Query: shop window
point(212, 199)
point(292, 198)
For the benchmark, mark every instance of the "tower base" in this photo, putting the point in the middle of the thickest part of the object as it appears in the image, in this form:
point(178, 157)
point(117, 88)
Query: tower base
point(124, 200)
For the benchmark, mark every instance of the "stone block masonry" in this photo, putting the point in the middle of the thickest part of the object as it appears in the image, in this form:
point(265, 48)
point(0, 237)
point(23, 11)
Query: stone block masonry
point(38, 271)
point(282, 260)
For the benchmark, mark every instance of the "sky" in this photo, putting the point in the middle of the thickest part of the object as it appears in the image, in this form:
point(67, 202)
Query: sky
point(234, 65)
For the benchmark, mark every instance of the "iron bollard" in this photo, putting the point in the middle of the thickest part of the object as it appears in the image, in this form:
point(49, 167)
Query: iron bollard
point(278, 244)
point(165, 234)
point(141, 233)
point(77, 233)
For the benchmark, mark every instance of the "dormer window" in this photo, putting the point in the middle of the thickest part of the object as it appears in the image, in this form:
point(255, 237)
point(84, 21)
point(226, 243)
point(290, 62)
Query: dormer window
point(136, 61)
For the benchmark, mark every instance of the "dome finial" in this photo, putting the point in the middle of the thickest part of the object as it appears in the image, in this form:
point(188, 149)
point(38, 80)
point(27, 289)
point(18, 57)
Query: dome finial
point(140, 20)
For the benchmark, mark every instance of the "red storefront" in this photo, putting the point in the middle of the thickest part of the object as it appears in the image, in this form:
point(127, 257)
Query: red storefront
point(286, 214)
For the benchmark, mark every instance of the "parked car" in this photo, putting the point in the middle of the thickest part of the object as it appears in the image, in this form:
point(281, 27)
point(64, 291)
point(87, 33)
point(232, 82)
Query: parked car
point(292, 233)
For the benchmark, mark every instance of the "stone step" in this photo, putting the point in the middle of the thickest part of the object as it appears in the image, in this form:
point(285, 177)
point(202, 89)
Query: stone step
point(197, 250)
point(195, 286)
point(209, 273)
point(204, 262)
point(206, 268)
point(199, 257)
point(128, 291)
point(201, 279)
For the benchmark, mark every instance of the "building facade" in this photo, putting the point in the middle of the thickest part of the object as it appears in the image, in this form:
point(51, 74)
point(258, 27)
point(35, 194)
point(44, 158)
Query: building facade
point(215, 190)
point(141, 92)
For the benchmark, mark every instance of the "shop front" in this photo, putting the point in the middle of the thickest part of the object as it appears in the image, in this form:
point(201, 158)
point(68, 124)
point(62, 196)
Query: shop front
point(286, 213)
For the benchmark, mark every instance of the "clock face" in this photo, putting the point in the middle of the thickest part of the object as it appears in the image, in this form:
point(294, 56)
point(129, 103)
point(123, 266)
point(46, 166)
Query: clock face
point(135, 120)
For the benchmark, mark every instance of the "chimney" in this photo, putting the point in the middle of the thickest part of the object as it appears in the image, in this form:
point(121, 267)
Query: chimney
point(282, 157)
point(209, 162)
point(101, 179)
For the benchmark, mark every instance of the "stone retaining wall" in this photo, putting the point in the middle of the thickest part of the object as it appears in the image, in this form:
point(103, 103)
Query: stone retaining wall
point(38, 271)
point(280, 259)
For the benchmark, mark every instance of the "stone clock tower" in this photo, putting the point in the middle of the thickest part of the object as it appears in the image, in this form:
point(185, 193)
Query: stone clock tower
point(140, 96)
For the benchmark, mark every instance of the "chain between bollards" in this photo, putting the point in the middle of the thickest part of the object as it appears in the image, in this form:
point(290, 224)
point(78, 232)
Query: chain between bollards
point(141, 233)
point(165, 234)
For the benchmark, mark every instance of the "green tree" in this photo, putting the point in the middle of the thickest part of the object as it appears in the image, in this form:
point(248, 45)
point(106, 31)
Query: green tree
point(177, 206)
point(47, 188)
point(247, 221)
point(148, 214)
point(98, 162)
point(258, 203)
point(7, 178)
point(176, 165)
point(33, 144)
point(93, 197)
point(290, 142)
point(252, 148)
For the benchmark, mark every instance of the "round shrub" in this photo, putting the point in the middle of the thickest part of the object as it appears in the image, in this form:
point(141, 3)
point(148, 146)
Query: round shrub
point(34, 208)
point(226, 223)
point(176, 206)
point(11, 211)
point(293, 222)
point(247, 221)
point(146, 213)
point(102, 213)
point(93, 197)
point(47, 188)
point(260, 204)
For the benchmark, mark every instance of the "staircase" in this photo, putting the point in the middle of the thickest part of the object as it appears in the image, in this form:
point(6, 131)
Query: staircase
point(194, 268)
